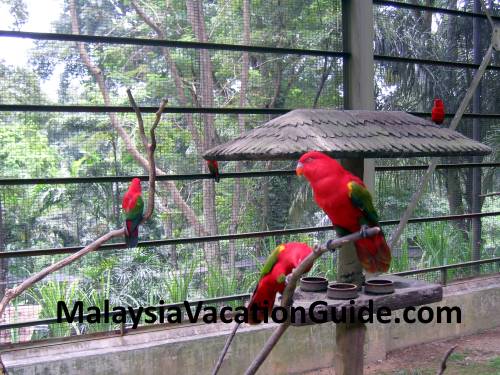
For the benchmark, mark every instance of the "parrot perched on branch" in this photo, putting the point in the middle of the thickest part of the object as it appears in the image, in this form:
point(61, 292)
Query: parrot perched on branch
point(213, 167)
point(437, 114)
point(133, 205)
point(278, 265)
point(348, 203)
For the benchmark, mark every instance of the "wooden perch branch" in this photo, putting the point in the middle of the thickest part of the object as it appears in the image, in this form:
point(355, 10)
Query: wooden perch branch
point(10, 294)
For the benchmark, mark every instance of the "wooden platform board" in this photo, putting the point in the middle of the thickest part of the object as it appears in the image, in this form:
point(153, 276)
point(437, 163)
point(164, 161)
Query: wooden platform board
point(409, 292)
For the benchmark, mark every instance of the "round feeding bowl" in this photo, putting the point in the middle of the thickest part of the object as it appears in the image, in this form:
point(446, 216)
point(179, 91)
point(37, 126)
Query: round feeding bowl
point(379, 286)
point(313, 284)
point(342, 291)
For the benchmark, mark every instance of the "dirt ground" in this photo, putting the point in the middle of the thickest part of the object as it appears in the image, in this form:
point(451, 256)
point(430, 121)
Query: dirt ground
point(475, 355)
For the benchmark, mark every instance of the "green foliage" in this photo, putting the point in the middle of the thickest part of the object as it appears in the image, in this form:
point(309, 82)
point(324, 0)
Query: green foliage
point(42, 145)
point(441, 244)
point(402, 261)
point(96, 297)
point(221, 282)
point(47, 295)
point(178, 282)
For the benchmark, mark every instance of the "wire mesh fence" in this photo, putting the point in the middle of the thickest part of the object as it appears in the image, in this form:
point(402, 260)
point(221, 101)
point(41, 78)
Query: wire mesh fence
point(40, 144)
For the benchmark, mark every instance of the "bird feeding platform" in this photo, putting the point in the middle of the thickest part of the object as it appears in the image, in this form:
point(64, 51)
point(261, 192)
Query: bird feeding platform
point(407, 292)
point(351, 135)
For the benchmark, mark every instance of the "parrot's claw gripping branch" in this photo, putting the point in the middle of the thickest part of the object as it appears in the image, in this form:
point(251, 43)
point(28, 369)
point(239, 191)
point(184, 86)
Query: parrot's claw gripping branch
point(10, 294)
point(363, 231)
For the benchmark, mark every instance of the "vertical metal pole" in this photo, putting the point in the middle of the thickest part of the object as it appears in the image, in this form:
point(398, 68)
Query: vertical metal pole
point(444, 276)
point(476, 135)
point(358, 35)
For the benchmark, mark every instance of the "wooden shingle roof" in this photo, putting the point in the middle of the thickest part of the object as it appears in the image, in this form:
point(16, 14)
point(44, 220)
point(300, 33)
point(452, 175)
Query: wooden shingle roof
point(346, 134)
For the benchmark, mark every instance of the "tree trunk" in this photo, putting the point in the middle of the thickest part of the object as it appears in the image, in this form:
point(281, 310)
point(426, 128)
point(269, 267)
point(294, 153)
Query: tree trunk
point(235, 210)
point(4, 262)
point(196, 18)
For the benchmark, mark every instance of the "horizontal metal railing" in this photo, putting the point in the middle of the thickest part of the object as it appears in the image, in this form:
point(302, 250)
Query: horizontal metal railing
point(30, 323)
point(192, 110)
point(414, 60)
point(426, 8)
point(201, 176)
point(226, 237)
point(169, 43)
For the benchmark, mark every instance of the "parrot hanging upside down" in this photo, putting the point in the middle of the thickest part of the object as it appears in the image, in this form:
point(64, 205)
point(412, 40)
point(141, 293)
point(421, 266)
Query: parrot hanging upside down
point(133, 205)
point(437, 114)
point(348, 204)
point(213, 167)
point(279, 264)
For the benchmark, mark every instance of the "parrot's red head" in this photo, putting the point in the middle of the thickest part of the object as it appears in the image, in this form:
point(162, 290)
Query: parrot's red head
point(314, 165)
point(438, 103)
point(135, 185)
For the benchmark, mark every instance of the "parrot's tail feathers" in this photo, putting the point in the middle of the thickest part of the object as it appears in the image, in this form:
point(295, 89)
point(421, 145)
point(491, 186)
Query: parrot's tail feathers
point(217, 178)
point(132, 234)
point(374, 253)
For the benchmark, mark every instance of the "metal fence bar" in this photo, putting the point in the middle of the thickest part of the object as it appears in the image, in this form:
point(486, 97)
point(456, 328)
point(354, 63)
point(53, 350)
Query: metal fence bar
point(225, 237)
point(202, 176)
point(413, 60)
point(427, 8)
point(486, 116)
point(439, 166)
point(194, 110)
point(448, 267)
point(168, 43)
point(146, 109)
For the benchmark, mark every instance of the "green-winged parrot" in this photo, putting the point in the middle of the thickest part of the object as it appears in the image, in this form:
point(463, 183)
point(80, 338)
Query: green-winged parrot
point(133, 205)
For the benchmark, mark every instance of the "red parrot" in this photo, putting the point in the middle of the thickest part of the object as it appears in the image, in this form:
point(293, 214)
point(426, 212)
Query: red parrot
point(278, 265)
point(213, 167)
point(133, 205)
point(437, 113)
point(348, 203)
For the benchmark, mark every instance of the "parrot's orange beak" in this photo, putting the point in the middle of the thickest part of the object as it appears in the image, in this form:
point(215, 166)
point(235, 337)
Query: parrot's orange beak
point(299, 170)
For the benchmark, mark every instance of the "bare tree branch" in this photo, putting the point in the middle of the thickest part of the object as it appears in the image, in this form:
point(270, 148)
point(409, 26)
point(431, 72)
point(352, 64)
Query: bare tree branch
point(175, 75)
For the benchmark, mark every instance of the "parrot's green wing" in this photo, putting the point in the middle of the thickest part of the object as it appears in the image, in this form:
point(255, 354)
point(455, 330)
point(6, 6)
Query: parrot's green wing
point(138, 209)
point(361, 198)
point(271, 261)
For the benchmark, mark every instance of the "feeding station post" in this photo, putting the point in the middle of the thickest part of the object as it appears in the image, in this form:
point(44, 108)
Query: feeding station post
point(358, 30)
